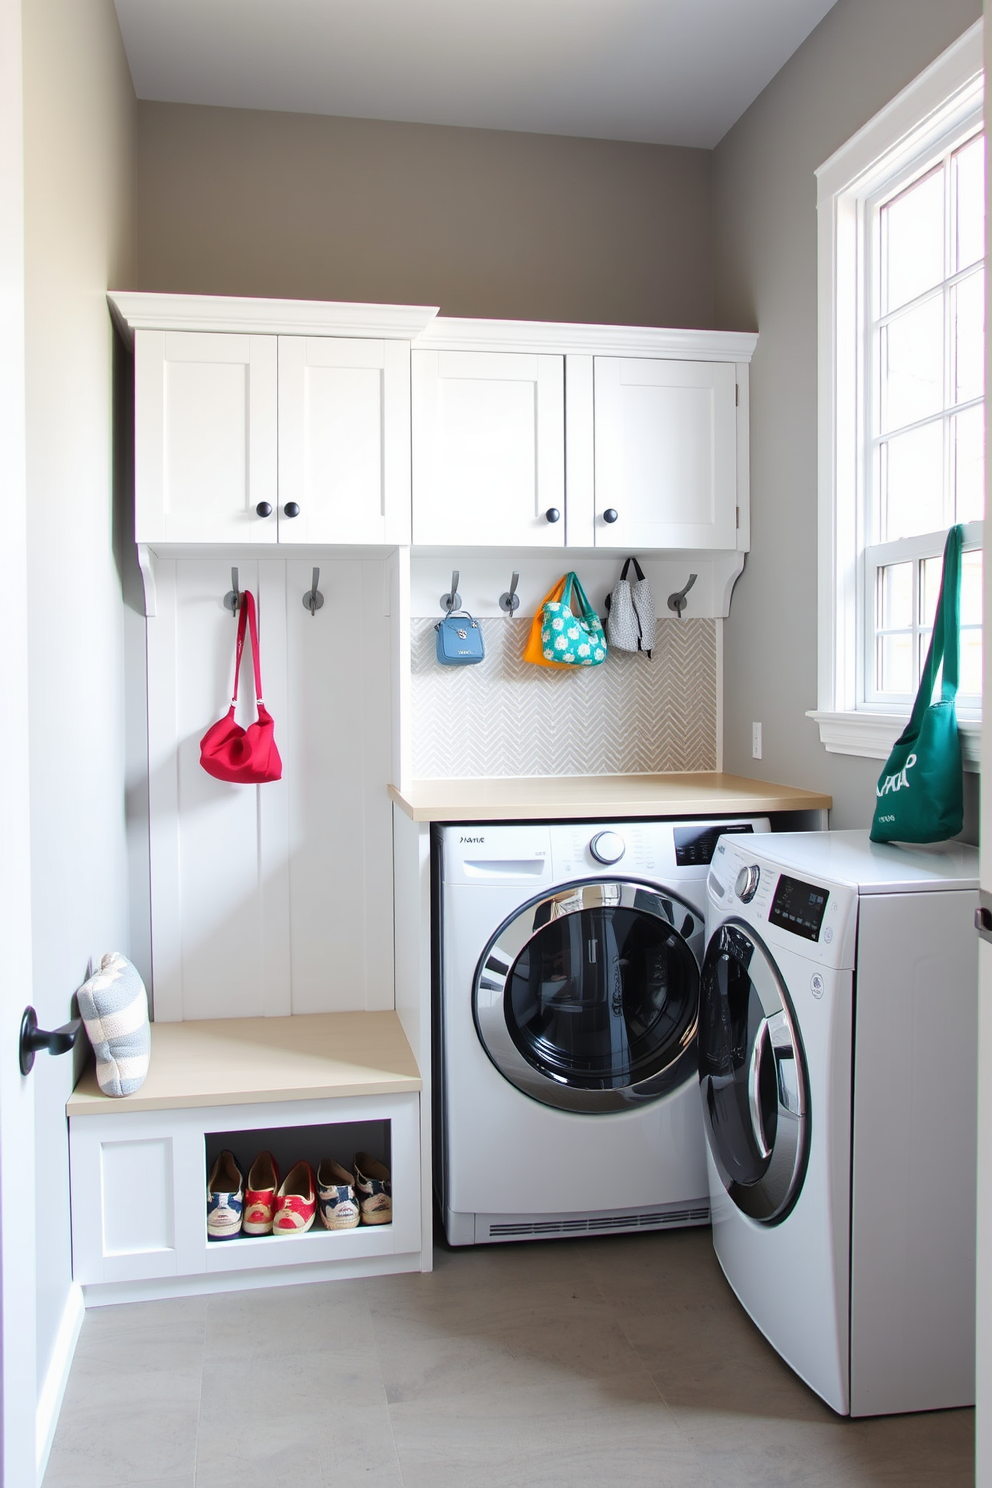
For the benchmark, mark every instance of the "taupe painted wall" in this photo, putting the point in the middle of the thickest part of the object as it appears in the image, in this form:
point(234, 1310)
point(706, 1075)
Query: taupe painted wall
point(860, 56)
point(79, 163)
point(481, 222)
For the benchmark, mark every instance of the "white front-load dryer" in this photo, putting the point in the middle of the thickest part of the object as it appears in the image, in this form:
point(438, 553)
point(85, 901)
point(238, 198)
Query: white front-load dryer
point(838, 1022)
point(566, 1005)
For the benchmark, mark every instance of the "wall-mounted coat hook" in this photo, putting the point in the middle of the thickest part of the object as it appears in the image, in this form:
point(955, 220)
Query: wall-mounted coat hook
point(452, 600)
point(510, 601)
point(33, 1039)
point(678, 601)
point(233, 598)
point(313, 600)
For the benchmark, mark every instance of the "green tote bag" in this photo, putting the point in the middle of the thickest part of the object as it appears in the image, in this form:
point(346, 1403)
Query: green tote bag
point(919, 795)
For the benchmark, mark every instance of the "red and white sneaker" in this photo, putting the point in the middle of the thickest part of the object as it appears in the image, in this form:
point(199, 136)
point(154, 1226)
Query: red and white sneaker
point(296, 1201)
point(260, 1195)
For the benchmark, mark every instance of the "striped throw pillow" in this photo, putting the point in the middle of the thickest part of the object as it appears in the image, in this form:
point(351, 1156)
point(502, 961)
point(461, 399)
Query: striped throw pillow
point(114, 1007)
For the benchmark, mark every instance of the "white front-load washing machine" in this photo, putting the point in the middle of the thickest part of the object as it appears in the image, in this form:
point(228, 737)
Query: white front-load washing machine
point(566, 1002)
point(837, 1037)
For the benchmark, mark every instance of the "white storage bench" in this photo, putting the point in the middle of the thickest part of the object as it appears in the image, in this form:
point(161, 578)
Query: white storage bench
point(311, 1086)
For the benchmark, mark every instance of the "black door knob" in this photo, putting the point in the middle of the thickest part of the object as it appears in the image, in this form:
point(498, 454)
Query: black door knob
point(263, 509)
point(552, 514)
point(34, 1039)
point(610, 514)
point(291, 509)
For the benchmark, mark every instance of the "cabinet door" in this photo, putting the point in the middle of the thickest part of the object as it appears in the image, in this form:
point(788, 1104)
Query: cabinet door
point(666, 453)
point(488, 449)
point(344, 440)
point(205, 437)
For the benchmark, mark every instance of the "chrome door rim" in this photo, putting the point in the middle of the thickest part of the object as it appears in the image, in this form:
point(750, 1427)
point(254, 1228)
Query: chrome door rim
point(505, 946)
point(771, 1198)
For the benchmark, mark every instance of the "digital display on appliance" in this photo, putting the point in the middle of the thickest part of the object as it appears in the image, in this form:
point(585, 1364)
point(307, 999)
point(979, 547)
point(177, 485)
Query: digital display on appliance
point(798, 907)
point(695, 845)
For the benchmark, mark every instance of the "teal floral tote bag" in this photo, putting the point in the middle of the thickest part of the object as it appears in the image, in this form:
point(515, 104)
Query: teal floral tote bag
point(571, 633)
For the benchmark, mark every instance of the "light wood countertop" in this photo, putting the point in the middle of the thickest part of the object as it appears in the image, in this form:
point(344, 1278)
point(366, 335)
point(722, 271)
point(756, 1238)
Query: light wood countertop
point(226, 1061)
point(560, 797)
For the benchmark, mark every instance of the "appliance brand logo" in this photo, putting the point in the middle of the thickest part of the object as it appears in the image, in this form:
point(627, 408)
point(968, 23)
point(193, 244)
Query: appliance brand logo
point(471, 839)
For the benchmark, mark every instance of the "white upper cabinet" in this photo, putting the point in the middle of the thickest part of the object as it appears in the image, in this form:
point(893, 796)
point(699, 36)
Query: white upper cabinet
point(528, 434)
point(281, 421)
point(205, 437)
point(488, 449)
point(665, 453)
point(270, 421)
point(344, 440)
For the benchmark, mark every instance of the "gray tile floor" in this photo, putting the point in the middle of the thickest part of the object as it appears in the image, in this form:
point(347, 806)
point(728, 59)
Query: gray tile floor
point(580, 1362)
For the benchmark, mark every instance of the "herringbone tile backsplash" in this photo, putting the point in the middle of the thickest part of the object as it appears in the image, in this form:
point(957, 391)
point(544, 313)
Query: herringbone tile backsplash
point(632, 715)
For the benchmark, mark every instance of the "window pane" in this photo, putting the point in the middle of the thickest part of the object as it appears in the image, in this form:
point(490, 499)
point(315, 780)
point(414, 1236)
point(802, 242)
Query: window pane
point(969, 164)
point(911, 365)
point(970, 675)
point(912, 227)
point(969, 338)
point(895, 663)
point(969, 465)
point(971, 588)
point(913, 483)
point(929, 590)
point(896, 596)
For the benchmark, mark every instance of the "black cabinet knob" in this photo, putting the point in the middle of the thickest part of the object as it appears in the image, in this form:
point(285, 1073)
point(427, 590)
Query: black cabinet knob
point(610, 514)
point(552, 514)
point(291, 509)
point(263, 509)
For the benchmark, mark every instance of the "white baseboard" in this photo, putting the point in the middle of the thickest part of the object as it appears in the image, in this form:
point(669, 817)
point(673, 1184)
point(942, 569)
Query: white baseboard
point(56, 1377)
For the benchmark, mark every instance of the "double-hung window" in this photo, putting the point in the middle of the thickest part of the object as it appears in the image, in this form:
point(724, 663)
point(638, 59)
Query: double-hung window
point(901, 284)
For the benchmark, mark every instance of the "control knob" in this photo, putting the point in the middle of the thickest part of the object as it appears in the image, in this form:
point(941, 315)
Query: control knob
point(607, 847)
point(747, 883)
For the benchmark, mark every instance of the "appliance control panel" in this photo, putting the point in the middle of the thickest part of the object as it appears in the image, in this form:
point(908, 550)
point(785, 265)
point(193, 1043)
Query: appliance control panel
point(816, 919)
point(658, 851)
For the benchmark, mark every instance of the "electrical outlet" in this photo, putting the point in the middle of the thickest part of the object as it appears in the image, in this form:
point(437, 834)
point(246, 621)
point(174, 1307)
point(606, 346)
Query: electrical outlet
point(756, 741)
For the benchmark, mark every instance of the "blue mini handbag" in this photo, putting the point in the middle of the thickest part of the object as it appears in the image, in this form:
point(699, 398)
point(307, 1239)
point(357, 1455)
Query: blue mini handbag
point(459, 640)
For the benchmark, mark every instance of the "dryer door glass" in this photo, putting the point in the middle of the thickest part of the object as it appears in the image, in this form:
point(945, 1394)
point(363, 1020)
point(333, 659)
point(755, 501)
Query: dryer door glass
point(588, 999)
point(752, 1074)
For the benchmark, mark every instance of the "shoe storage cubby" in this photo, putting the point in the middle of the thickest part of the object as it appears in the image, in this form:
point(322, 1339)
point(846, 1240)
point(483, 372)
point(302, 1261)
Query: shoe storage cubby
point(292, 1144)
point(139, 1165)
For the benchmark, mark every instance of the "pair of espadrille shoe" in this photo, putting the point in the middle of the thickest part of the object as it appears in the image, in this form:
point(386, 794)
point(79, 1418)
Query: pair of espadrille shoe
point(364, 1196)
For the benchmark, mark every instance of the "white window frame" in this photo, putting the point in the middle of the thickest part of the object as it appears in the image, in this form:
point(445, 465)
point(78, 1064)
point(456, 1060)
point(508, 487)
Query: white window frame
point(944, 97)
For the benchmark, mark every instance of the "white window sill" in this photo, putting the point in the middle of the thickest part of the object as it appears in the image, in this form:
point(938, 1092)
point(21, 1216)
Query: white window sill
point(872, 735)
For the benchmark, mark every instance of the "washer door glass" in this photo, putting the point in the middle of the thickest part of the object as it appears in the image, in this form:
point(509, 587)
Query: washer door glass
point(752, 1074)
point(587, 999)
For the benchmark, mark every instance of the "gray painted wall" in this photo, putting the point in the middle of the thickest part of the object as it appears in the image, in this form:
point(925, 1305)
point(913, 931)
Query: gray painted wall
point(510, 225)
point(79, 131)
point(860, 56)
point(482, 222)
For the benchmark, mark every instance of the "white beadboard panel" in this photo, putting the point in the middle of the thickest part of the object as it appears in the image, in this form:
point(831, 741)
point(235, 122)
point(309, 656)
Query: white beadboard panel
point(506, 717)
point(274, 798)
point(336, 762)
point(221, 911)
point(272, 899)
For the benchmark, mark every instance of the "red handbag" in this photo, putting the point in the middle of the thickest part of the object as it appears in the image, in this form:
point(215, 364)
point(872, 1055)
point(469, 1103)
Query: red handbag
point(229, 752)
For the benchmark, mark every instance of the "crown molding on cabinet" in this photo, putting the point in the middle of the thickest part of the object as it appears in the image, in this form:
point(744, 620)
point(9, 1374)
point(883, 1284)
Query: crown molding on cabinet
point(448, 333)
point(136, 310)
point(141, 310)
